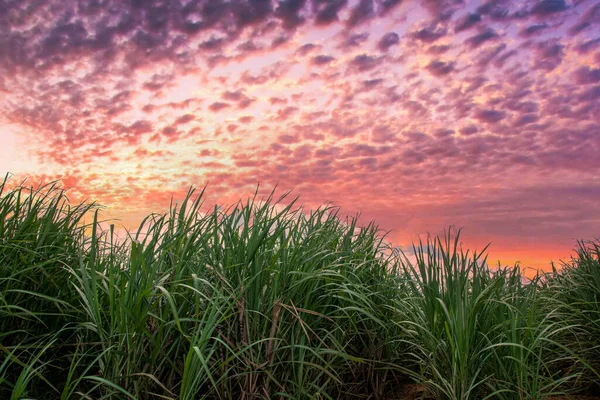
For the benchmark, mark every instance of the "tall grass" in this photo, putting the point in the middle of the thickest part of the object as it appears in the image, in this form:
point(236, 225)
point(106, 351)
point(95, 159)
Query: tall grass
point(475, 333)
point(575, 297)
point(267, 300)
point(253, 301)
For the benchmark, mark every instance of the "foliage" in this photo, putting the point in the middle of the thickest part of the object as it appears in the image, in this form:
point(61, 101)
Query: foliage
point(265, 300)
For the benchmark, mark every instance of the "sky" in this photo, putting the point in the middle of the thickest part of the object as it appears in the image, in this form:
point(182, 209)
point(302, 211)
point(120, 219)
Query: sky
point(419, 115)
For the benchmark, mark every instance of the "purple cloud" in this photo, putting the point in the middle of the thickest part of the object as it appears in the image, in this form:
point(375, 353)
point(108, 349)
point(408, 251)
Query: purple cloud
point(549, 54)
point(526, 119)
point(354, 40)
point(371, 83)
point(288, 11)
point(533, 30)
point(590, 18)
point(490, 116)
point(387, 5)
point(469, 130)
point(363, 11)
point(585, 75)
point(440, 68)
point(327, 10)
point(481, 38)
point(466, 22)
point(547, 7)
point(388, 40)
point(429, 34)
point(493, 9)
point(306, 48)
point(364, 62)
point(322, 59)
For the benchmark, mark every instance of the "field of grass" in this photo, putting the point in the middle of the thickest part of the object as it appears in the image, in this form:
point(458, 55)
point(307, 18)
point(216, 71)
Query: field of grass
point(266, 300)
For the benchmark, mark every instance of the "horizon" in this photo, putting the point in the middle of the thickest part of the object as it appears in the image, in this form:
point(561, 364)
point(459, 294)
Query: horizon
point(417, 115)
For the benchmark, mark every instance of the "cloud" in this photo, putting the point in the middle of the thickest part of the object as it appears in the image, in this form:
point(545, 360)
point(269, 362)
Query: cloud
point(547, 7)
point(133, 133)
point(277, 100)
point(383, 134)
point(438, 49)
point(240, 91)
point(494, 9)
point(372, 83)
point(533, 30)
point(469, 130)
point(443, 133)
point(467, 21)
point(249, 46)
point(499, 10)
point(212, 44)
point(588, 45)
point(517, 104)
point(585, 75)
point(501, 60)
point(388, 40)
point(251, 12)
point(415, 109)
point(184, 119)
point(440, 68)
point(306, 48)
point(591, 94)
point(322, 59)
point(285, 113)
point(489, 54)
point(288, 12)
point(526, 119)
point(387, 5)
point(238, 97)
point(169, 131)
point(364, 62)
point(246, 119)
point(481, 38)
point(490, 116)
point(354, 40)
point(412, 157)
point(441, 10)
point(218, 106)
point(327, 10)
point(429, 34)
point(534, 205)
point(589, 19)
point(549, 54)
point(363, 11)
point(157, 82)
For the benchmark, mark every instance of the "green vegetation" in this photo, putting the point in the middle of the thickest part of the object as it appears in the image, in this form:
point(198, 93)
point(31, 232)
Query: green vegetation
point(263, 300)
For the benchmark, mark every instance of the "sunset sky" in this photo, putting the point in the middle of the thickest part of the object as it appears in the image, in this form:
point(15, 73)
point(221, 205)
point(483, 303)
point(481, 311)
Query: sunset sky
point(418, 114)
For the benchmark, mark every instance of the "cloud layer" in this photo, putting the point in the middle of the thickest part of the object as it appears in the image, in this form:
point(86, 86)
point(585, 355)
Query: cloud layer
point(420, 114)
